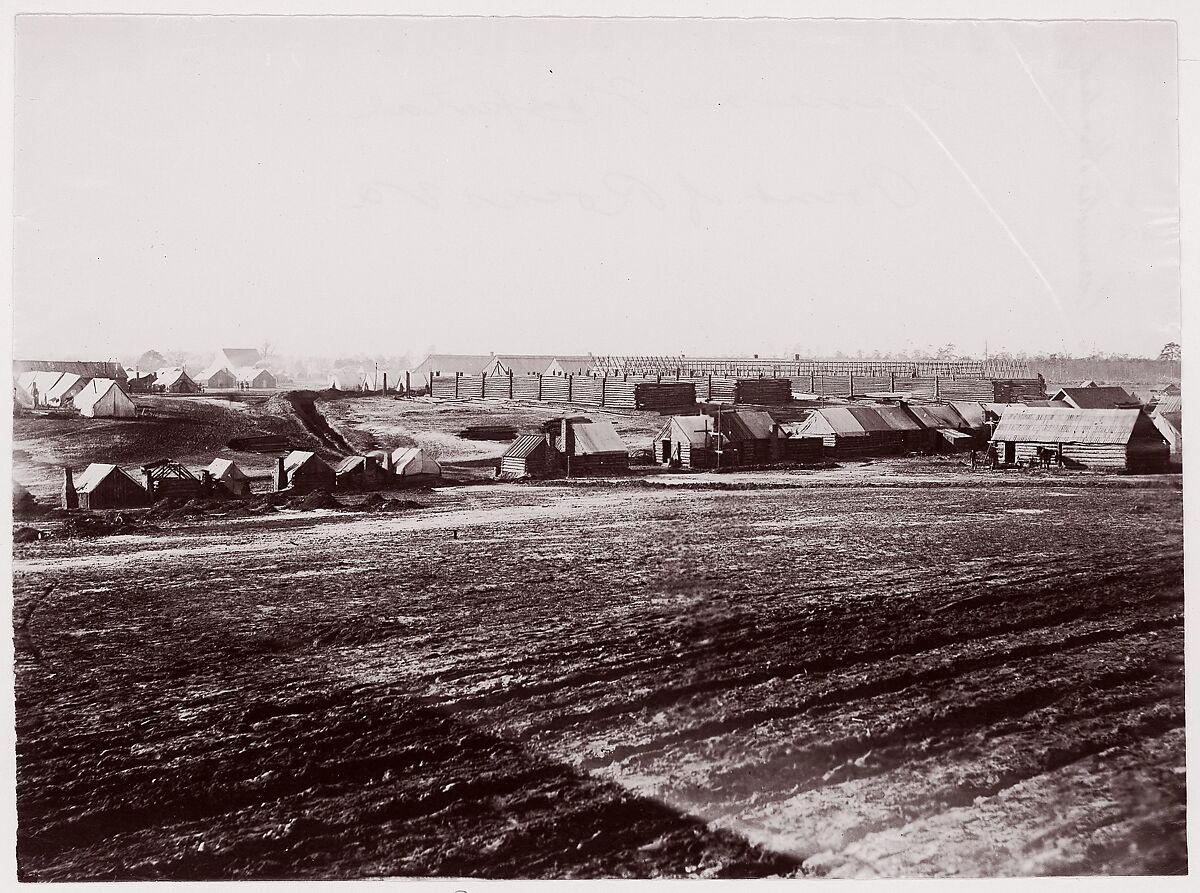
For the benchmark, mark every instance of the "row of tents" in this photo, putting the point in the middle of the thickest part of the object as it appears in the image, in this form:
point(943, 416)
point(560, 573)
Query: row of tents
point(91, 397)
point(106, 486)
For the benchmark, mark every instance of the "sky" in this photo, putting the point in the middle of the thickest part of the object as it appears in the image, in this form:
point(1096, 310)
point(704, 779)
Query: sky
point(398, 185)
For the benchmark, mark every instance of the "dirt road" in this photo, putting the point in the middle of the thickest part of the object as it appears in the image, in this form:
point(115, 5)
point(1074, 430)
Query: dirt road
point(825, 675)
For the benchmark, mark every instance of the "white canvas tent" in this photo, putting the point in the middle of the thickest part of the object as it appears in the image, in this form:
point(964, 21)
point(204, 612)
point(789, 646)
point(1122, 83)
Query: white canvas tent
point(413, 465)
point(227, 473)
point(39, 384)
point(63, 393)
point(104, 398)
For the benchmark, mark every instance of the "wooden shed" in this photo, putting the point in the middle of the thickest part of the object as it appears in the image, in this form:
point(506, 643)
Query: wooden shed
point(588, 447)
point(302, 471)
point(1095, 396)
point(530, 455)
point(217, 379)
point(688, 441)
point(363, 473)
point(849, 431)
point(103, 486)
point(1170, 426)
point(1088, 438)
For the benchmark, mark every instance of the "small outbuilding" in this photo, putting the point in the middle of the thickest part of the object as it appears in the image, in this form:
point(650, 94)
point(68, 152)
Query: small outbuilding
point(1096, 397)
point(412, 466)
point(104, 486)
point(1170, 426)
point(688, 441)
point(104, 398)
point(1085, 438)
point(530, 455)
point(302, 471)
point(362, 473)
point(217, 379)
point(226, 473)
point(167, 478)
point(589, 447)
point(251, 377)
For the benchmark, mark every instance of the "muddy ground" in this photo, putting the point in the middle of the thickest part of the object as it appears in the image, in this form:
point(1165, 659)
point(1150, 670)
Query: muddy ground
point(895, 669)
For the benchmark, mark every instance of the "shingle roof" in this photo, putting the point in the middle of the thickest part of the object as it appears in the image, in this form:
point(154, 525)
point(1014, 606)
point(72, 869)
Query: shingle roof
point(1108, 397)
point(1047, 424)
point(1169, 404)
point(523, 446)
point(235, 357)
point(449, 363)
point(939, 417)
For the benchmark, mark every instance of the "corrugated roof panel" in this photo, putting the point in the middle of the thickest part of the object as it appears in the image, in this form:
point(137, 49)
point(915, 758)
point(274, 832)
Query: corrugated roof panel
point(523, 446)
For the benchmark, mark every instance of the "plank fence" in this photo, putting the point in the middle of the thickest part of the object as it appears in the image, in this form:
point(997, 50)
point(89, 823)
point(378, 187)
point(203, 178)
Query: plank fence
point(682, 388)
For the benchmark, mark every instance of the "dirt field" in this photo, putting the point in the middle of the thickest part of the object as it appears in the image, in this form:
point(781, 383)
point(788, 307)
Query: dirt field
point(900, 668)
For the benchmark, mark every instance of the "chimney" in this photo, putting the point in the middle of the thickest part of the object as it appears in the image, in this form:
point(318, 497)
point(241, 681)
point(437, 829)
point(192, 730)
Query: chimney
point(385, 382)
point(775, 442)
point(280, 476)
point(149, 475)
point(567, 437)
point(206, 482)
point(389, 464)
point(70, 499)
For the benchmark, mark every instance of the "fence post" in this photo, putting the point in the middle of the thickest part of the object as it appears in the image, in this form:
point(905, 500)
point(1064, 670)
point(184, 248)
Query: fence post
point(570, 388)
point(937, 390)
point(510, 384)
point(851, 375)
point(457, 376)
point(603, 389)
point(539, 386)
point(812, 382)
point(893, 387)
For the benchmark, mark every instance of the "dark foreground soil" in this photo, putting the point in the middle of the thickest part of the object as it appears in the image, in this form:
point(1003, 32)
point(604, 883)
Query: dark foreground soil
point(614, 681)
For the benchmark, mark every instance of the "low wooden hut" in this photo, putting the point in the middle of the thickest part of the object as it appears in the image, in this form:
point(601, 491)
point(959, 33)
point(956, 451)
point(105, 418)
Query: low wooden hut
point(1095, 396)
point(1170, 425)
point(850, 431)
point(589, 447)
point(104, 486)
point(302, 471)
point(688, 441)
point(946, 429)
point(1088, 438)
point(362, 473)
point(530, 455)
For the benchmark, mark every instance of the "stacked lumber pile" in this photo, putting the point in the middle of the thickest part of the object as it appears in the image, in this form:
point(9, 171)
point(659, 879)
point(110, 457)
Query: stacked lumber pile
point(489, 432)
point(664, 395)
point(762, 390)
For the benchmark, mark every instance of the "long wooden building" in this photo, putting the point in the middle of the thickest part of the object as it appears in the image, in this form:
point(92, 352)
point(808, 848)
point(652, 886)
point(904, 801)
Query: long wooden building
point(1088, 438)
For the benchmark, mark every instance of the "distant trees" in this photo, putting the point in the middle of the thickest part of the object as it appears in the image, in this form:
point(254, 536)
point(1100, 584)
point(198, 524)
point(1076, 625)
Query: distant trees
point(151, 360)
point(1171, 352)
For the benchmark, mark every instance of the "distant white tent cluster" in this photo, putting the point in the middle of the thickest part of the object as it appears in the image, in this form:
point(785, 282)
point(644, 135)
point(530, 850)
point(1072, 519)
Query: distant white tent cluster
point(93, 397)
point(237, 367)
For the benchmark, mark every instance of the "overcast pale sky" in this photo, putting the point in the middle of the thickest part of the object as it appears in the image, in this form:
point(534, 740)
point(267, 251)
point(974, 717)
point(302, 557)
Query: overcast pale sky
point(345, 185)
